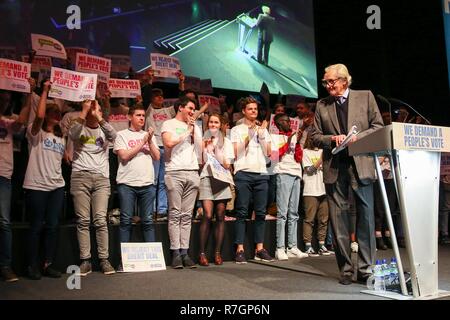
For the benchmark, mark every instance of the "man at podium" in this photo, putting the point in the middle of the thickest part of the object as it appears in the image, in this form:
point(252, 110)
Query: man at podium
point(265, 34)
point(335, 116)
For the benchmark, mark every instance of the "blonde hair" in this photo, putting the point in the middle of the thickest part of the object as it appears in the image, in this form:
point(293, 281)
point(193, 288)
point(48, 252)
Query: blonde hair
point(341, 71)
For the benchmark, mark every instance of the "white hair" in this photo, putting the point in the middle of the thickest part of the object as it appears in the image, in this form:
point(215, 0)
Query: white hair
point(265, 9)
point(341, 71)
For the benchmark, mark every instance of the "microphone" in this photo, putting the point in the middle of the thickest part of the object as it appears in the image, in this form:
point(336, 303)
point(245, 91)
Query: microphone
point(411, 108)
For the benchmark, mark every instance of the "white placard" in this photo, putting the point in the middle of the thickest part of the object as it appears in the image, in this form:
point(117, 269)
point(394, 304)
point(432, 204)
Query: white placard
point(47, 46)
point(142, 256)
point(218, 171)
point(72, 85)
point(119, 63)
point(92, 64)
point(407, 136)
point(165, 66)
point(14, 75)
point(121, 88)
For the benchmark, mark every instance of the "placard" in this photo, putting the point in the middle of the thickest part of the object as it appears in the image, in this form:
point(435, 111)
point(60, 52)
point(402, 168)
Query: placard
point(142, 256)
point(14, 75)
point(121, 88)
point(192, 83)
point(92, 64)
point(119, 63)
point(214, 103)
point(72, 85)
point(206, 86)
point(407, 136)
point(165, 66)
point(295, 125)
point(217, 170)
point(47, 46)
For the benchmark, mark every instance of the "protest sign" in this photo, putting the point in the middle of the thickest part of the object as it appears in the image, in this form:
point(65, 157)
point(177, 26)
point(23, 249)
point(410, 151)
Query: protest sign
point(72, 53)
point(14, 75)
point(445, 163)
point(121, 88)
point(142, 256)
point(214, 104)
point(47, 46)
point(92, 64)
point(119, 63)
point(218, 171)
point(165, 66)
point(192, 83)
point(72, 85)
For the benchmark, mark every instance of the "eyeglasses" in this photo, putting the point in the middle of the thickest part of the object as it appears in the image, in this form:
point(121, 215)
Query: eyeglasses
point(330, 82)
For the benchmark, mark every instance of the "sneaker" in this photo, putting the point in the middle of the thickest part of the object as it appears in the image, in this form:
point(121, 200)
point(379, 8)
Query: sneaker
point(8, 275)
point(187, 262)
point(34, 273)
point(106, 267)
point(280, 254)
point(323, 251)
point(295, 252)
point(177, 262)
point(263, 255)
point(240, 257)
point(354, 246)
point(85, 268)
point(51, 272)
point(311, 253)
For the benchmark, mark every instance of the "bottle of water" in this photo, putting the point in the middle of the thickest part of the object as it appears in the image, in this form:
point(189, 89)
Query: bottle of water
point(386, 272)
point(393, 272)
point(378, 272)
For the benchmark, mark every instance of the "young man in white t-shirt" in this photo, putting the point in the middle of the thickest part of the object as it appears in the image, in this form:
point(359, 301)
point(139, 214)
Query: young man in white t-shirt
point(8, 126)
point(252, 147)
point(288, 172)
point(182, 139)
point(90, 186)
point(136, 150)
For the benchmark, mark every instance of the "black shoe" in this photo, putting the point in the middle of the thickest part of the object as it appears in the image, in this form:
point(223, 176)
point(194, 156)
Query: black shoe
point(51, 272)
point(187, 262)
point(380, 244)
point(8, 275)
point(345, 280)
point(362, 279)
point(387, 242)
point(177, 262)
point(34, 273)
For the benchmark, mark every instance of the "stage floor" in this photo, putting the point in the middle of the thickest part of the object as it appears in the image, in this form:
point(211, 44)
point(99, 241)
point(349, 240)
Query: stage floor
point(306, 279)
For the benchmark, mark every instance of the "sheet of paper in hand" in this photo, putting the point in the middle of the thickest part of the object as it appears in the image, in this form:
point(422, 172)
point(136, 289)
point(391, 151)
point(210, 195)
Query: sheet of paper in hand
point(218, 171)
point(353, 132)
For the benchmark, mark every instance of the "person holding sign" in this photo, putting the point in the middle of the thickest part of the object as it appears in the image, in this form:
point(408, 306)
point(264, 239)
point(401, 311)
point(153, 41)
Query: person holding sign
point(214, 193)
point(44, 185)
point(288, 172)
point(136, 150)
point(8, 127)
point(334, 116)
point(90, 186)
point(181, 136)
point(252, 149)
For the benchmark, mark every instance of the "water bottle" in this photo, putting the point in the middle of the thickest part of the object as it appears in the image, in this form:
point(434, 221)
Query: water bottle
point(393, 272)
point(386, 272)
point(378, 272)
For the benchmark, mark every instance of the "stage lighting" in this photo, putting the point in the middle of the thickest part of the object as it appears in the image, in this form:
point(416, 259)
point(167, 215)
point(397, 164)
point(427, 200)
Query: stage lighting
point(117, 10)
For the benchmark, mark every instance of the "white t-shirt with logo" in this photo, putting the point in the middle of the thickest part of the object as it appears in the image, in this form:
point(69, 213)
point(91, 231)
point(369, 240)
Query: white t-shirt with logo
point(6, 147)
point(314, 186)
point(287, 165)
point(183, 156)
point(44, 165)
point(155, 118)
point(139, 171)
point(252, 159)
point(91, 151)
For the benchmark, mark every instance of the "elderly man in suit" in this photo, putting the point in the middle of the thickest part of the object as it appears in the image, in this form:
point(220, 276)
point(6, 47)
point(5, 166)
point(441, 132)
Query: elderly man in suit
point(335, 115)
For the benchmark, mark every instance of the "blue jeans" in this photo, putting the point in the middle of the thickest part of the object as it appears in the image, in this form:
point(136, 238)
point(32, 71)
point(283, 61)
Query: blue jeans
point(145, 197)
point(5, 222)
point(250, 186)
point(288, 197)
point(161, 204)
point(44, 208)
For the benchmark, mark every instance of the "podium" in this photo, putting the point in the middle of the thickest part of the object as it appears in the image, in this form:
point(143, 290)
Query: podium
point(246, 25)
point(414, 152)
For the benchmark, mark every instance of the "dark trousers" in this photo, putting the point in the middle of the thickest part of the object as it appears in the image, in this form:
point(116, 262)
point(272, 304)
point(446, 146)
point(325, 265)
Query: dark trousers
point(250, 186)
point(263, 51)
point(338, 194)
point(380, 215)
point(5, 222)
point(44, 208)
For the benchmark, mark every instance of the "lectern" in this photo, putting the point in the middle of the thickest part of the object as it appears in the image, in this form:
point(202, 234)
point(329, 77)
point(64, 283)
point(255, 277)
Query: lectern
point(415, 152)
point(246, 25)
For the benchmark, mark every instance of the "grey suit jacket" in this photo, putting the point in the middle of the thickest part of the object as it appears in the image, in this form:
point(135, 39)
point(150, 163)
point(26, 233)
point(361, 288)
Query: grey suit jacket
point(362, 112)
